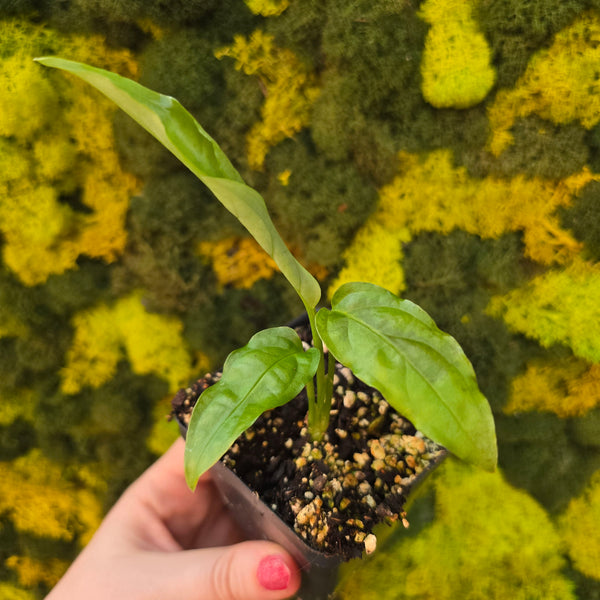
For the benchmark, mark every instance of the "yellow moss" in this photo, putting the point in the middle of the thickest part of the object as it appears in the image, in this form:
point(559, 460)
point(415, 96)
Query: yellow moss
point(153, 343)
point(93, 476)
point(39, 500)
point(558, 307)
point(508, 548)
point(431, 194)
point(54, 156)
point(239, 262)
point(288, 86)
point(455, 68)
point(375, 256)
point(15, 404)
point(28, 101)
point(32, 572)
point(56, 139)
point(105, 334)
point(284, 177)
point(95, 351)
point(560, 84)
point(16, 164)
point(164, 432)
point(150, 27)
point(487, 207)
point(11, 592)
point(580, 528)
point(568, 388)
point(33, 213)
point(267, 8)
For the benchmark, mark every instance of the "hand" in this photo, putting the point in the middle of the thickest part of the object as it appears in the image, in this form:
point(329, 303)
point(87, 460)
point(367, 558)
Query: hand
point(162, 542)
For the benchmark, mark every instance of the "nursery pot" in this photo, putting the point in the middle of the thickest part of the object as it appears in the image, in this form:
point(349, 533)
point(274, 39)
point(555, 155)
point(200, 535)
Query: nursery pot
point(258, 520)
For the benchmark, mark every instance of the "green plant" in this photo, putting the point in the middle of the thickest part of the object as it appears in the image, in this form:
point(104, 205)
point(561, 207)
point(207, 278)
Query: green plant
point(389, 343)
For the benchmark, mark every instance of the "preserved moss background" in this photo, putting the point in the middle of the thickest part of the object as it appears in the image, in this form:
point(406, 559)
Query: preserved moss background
point(469, 186)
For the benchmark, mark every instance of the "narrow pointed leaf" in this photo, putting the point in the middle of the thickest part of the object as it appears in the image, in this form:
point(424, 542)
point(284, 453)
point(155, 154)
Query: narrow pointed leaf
point(175, 128)
point(268, 372)
point(395, 347)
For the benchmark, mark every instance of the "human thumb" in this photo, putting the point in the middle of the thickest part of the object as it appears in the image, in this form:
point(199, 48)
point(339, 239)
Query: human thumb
point(252, 570)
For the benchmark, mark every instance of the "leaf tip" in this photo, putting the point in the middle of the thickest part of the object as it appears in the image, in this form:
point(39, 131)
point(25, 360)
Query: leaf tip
point(190, 470)
point(488, 457)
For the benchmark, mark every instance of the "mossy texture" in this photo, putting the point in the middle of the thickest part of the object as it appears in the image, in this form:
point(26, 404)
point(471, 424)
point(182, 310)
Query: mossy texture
point(580, 529)
point(447, 150)
point(513, 549)
point(455, 67)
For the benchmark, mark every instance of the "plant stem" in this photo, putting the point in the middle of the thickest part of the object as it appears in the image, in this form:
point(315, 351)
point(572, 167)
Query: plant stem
point(319, 406)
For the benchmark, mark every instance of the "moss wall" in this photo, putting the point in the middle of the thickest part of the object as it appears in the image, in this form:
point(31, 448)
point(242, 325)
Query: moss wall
point(447, 150)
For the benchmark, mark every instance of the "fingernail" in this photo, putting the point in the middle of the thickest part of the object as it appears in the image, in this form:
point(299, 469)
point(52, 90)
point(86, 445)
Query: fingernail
point(273, 573)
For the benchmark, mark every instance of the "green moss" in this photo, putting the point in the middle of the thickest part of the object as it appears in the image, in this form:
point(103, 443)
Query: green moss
point(18, 7)
point(181, 64)
point(98, 14)
point(583, 219)
point(80, 288)
point(106, 426)
point(452, 277)
point(165, 224)
point(517, 28)
point(370, 105)
point(585, 587)
point(16, 439)
point(586, 430)
point(545, 461)
point(8, 363)
point(541, 149)
point(321, 206)
point(229, 320)
point(241, 109)
point(299, 28)
point(370, 82)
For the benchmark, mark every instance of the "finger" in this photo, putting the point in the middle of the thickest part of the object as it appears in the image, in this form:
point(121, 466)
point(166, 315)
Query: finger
point(160, 495)
point(254, 570)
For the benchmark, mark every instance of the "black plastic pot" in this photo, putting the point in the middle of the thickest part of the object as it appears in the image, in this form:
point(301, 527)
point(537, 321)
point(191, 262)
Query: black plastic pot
point(259, 522)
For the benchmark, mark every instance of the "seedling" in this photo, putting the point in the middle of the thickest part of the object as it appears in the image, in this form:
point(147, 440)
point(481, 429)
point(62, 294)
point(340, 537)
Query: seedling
point(389, 343)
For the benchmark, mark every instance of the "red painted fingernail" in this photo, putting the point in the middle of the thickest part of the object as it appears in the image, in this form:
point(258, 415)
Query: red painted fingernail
point(273, 573)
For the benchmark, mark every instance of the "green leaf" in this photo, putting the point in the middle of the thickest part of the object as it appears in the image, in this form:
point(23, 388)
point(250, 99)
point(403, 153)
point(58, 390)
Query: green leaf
point(179, 132)
point(268, 372)
point(395, 347)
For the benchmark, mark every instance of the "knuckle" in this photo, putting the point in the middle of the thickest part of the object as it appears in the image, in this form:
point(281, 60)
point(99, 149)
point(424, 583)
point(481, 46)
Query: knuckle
point(223, 583)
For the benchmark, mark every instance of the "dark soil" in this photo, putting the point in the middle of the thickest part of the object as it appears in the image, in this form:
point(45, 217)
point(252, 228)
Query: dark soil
point(331, 493)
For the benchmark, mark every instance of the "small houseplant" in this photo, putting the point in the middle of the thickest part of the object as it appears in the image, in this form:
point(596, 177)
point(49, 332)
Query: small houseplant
point(388, 343)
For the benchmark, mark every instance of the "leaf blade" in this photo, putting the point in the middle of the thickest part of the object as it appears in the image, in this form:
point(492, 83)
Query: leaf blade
point(268, 372)
point(394, 346)
point(174, 127)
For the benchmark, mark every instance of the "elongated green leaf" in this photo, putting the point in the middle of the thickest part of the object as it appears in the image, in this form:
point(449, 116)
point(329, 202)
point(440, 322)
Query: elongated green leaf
point(268, 372)
point(179, 132)
point(394, 346)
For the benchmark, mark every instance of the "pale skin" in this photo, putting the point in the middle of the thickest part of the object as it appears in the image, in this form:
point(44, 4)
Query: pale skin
point(162, 542)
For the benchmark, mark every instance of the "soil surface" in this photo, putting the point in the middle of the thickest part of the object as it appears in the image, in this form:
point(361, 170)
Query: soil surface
point(332, 492)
